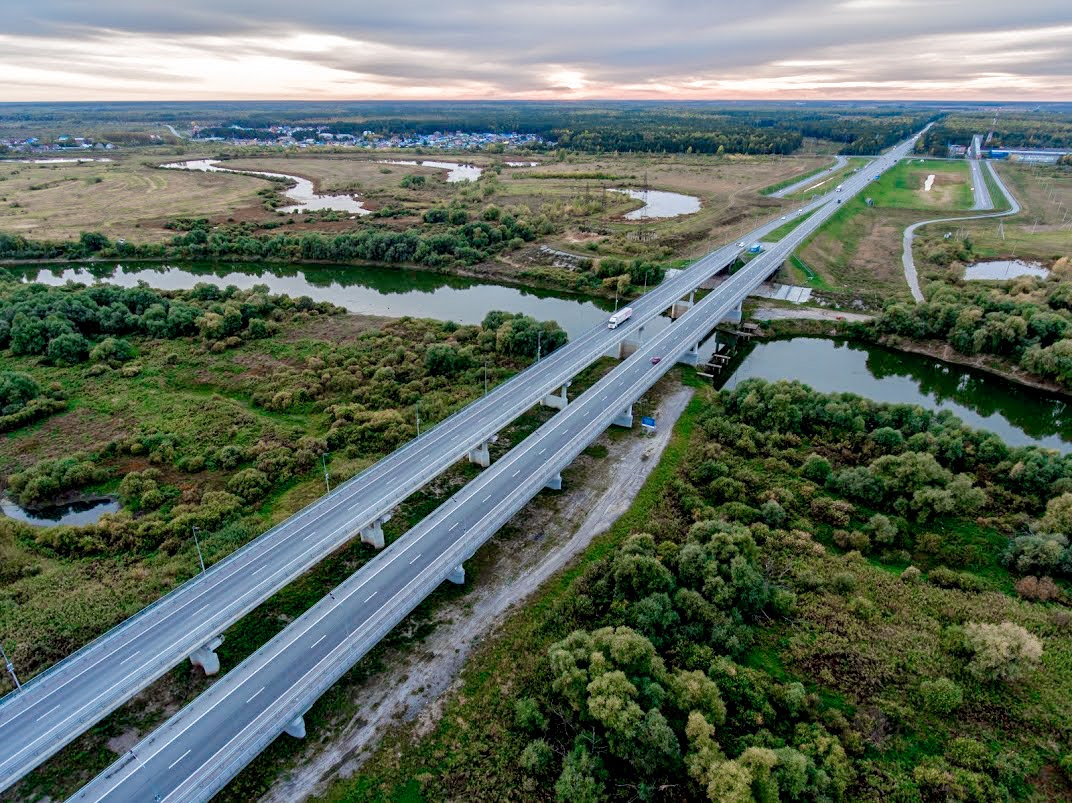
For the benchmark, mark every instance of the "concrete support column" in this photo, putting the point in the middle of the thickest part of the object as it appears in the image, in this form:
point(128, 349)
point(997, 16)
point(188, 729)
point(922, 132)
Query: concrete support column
point(206, 658)
point(735, 314)
point(373, 533)
point(480, 455)
point(558, 401)
point(624, 419)
point(690, 357)
point(692, 297)
point(296, 727)
point(457, 575)
point(555, 483)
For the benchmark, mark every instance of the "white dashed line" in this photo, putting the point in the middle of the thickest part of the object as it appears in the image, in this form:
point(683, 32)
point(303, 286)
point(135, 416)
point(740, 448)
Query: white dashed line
point(250, 700)
point(180, 758)
point(370, 596)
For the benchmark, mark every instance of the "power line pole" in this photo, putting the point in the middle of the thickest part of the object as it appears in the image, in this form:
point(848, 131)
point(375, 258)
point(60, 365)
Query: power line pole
point(197, 543)
point(10, 668)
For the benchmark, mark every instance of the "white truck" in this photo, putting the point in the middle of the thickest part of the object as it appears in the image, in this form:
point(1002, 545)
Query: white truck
point(837, 188)
point(621, 316)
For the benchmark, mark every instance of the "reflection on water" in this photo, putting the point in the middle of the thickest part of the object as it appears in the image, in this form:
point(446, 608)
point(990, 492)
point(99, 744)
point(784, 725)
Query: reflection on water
point(369, 290)
point(1020, 416)
point(85, 511)
point(302, 191)
point(1001, 269)
point(658, 204)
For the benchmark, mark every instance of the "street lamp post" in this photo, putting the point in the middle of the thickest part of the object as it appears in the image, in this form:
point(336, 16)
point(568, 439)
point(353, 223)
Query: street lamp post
point(327, 479)
point(197, 543)
point(539, 347)
point(10, 668)
point(485, 377)
point(418, 418)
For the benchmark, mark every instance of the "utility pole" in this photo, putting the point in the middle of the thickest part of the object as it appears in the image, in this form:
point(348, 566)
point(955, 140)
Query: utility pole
point(197, 543)
point(327, 479)
point(10, 668)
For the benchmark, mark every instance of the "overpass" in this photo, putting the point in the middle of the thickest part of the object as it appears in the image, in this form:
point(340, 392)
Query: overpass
point(195, 753)
point(54, 707)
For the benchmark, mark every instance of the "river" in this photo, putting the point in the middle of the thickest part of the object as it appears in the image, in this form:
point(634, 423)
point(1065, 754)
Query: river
point(1018, 414)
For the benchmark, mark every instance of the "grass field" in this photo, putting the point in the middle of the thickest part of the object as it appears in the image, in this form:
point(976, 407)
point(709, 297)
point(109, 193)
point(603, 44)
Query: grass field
point(903, 186)
point(1041, 231)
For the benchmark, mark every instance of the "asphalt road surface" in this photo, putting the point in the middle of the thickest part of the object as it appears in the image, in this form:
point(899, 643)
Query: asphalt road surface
point(196, 752)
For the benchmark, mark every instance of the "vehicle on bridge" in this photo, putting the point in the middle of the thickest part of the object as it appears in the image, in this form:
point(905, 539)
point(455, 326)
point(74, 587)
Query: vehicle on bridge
point(621, 316)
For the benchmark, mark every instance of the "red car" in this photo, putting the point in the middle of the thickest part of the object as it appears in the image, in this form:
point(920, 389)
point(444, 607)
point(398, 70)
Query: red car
point(655, 360)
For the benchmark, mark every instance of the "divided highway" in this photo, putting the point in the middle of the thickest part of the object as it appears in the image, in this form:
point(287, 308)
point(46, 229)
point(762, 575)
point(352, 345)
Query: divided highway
point(196, 752)
point(57, 705)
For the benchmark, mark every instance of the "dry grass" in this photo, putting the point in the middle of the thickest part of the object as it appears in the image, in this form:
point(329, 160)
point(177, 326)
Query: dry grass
point(127, 198)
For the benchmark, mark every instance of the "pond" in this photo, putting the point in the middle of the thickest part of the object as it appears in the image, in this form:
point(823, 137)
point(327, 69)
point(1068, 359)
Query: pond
point(1002, 269)
point(1019, 415)
point(302, 191)
point(660, 204)
point(80, 512)
point(455, 170)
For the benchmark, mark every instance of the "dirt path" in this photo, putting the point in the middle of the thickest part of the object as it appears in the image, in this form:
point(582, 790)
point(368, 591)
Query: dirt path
point(562, 527)
point(765, 313)
point(906, 256)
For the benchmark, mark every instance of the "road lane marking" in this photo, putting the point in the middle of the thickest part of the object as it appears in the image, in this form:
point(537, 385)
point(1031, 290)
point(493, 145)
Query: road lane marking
point(136, 652)
point(515, 473)
point(544, 449)
point(370, 596)
point(414, 559)
point(261, 569)
point(49, 711)
point(180, 758)
point(455, 524)
point(318, 641)
point(486, 498)
point(250, 700)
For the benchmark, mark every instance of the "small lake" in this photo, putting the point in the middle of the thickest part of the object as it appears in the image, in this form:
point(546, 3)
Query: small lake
point(81, 512)
point(659, 204)
point(1002, 269)
point(302, 191)
point(1019, 415)
point(456, 171)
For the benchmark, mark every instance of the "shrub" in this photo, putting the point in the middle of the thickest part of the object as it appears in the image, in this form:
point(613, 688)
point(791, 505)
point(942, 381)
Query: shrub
point(962, 581)
point(1042, 589)
point(833, 511)
point(536, 757)
point(1000, 652)
point(844, 582)
point(249, 484)
point(883, 530)
point(816, 469)
point(941, 696)
point(16, 390)
point(112, 349)
point(527, 716)
point(911, 575)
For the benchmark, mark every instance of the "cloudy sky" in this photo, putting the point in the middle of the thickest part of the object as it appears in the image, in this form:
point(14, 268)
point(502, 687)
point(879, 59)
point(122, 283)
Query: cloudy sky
point(431, 49)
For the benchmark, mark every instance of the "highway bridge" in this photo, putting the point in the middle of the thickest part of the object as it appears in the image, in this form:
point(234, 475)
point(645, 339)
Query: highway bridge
point(57, 705)
point(201, 748)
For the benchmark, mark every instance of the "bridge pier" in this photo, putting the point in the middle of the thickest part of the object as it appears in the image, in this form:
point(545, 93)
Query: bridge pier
point(480, 455)
point(690, 357)
point(206, 658)
point(296, 727)
point(373, 533)
point(457, 575)
point(735, 315)
point(558, 401)
point(624, 419)
point(555, 483)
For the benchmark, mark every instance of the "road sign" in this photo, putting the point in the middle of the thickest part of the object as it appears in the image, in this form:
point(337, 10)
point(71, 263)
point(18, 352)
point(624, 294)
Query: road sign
point(647, 421)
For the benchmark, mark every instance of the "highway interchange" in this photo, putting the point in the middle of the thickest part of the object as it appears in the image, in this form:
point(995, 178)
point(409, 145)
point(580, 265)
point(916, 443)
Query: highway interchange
point(198, 750)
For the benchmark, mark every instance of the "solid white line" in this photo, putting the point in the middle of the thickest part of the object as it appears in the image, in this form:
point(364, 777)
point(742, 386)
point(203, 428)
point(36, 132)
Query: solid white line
point(180, 758)
point(136, 652)
point(49, 711)
point(318, 641)
point(250, 700)
point(370, 596)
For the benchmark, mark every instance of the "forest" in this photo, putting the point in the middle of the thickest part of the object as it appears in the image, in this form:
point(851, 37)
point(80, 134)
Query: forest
point(826, 599)
point(1010, 130)
point(1024, 321)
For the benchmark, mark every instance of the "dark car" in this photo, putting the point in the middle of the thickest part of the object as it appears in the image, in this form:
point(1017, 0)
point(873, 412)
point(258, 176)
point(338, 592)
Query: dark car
point(655, 360)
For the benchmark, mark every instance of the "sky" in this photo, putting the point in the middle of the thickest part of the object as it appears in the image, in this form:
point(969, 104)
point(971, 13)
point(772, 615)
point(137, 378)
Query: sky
point(55, 50)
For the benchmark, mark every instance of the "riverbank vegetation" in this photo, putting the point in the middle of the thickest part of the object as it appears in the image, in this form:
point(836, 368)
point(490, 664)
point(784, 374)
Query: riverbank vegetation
point(1025, 323)
point(820, 597)
point(212, 408)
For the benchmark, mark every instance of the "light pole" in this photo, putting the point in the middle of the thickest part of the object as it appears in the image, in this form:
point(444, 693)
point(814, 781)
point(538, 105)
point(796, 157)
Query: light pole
point(198, 545)
point(327, 480)
point(10, 668)
point(485, 377)
point(418, 418)
point(539, 333)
